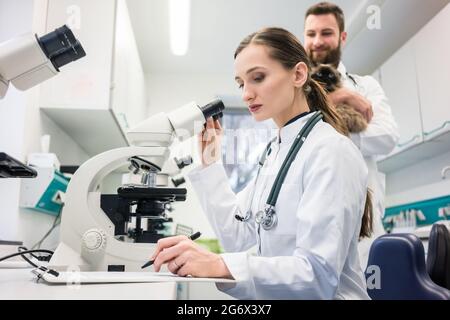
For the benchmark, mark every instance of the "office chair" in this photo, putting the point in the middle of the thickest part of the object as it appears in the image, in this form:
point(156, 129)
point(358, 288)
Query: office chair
point(438, 258)
point(400, 260)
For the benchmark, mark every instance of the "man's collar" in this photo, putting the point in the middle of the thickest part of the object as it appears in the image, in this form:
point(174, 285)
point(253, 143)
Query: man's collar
point(342, 70)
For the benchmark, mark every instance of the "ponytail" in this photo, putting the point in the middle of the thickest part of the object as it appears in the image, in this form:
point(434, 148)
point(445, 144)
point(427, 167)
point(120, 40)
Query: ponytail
point(367, 219)
point(318, 100)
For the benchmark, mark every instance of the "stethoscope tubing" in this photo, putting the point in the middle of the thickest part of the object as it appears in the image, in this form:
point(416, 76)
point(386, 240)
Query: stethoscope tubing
point(298, 143)
point(276, 187)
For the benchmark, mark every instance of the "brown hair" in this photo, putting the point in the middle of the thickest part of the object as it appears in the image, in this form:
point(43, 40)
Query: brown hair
point(328, 8)
point(285, 48)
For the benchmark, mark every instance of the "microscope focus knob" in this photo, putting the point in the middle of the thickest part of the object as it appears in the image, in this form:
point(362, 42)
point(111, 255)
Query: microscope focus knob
point(94, 240)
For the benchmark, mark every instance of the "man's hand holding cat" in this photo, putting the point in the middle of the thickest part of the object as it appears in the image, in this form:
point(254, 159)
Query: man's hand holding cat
point(354, 100)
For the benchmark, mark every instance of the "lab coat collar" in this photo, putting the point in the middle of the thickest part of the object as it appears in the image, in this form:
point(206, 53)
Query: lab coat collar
point(288, 133)
point(342, 70)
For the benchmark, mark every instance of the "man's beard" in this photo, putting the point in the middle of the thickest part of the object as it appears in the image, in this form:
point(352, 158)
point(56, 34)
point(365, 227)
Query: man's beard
point(332, 57)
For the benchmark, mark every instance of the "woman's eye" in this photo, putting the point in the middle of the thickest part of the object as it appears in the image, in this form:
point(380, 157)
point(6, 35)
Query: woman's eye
point(241, 86)
point(258, 79)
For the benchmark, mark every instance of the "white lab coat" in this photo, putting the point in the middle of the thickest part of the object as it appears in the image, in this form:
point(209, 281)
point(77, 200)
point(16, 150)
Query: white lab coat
point(378, 139)
point(312, 252)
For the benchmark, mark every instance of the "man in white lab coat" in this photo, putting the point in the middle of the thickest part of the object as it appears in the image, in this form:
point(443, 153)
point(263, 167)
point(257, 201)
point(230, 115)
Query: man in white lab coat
point(324, 36)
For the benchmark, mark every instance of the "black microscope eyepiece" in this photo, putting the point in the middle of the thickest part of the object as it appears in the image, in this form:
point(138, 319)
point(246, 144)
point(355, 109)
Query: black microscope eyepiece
point(213, 109)
point(61, 47)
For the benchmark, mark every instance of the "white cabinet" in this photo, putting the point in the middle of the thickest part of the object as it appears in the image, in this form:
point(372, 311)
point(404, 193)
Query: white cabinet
point(432, 47)
point(96, 98)
point(400, 85)
point(416, 80)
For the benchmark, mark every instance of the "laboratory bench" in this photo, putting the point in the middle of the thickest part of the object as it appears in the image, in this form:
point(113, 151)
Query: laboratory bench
point(21, 284)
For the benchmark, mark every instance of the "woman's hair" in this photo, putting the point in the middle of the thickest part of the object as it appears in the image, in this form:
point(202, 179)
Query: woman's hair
point(285, 48)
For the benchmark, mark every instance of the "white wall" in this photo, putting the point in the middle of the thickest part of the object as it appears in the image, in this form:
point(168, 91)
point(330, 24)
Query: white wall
point(21, 126)
point(170, 91)
point(167, 92)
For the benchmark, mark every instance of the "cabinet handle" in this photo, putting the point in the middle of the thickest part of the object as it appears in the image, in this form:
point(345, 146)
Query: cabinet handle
point(445, 124)
point(124, 119)
point(404, 144)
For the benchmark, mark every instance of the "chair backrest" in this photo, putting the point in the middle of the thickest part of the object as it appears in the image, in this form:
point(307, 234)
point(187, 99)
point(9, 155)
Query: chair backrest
point(400, 259)
point(438, 258)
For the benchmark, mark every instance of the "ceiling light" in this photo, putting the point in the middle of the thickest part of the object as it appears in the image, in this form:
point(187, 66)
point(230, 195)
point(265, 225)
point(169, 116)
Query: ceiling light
point(179, 19)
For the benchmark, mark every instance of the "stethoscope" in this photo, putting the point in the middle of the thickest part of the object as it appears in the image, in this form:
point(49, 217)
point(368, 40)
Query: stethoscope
point(267, 218)
point(353, 80)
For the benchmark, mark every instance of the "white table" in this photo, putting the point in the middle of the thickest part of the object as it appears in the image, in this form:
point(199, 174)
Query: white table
point(20, 284)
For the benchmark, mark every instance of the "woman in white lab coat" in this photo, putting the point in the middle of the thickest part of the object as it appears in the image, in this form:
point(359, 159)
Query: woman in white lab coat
point(311, 253)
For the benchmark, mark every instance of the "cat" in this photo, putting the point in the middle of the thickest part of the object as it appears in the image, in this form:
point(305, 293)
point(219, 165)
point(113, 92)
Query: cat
point(330, 79)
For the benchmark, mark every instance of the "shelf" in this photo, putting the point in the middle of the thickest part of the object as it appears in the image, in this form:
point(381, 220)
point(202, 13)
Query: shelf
point(95, 131)
point(422, 193)
point(438, 145)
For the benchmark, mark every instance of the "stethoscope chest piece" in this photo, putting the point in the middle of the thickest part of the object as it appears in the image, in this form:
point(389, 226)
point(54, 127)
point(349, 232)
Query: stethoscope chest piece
point(267, 218)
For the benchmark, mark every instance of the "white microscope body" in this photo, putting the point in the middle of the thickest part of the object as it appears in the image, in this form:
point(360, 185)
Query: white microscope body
point(88, 239)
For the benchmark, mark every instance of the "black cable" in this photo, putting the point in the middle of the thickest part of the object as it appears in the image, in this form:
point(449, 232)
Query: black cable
point(26, 249)
point(23, 249)
point(21, 253)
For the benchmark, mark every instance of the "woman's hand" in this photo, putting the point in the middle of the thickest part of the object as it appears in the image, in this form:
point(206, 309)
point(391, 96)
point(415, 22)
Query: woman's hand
point(184, 257)
point(210, 142)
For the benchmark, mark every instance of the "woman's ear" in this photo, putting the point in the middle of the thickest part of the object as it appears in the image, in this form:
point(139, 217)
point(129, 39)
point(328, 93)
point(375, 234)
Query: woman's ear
point(300, 74)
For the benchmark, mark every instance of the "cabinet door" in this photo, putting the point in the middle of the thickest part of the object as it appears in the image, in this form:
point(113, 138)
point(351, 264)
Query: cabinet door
point(432, 49)
point(399, 82)
point(84, 84)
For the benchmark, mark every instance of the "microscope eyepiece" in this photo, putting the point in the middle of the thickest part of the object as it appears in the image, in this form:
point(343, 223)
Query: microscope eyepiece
point(61, 47)
point(213, 109)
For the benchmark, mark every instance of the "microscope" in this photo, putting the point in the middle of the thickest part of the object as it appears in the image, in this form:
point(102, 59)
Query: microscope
point(25, 62)
point(118, 232)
